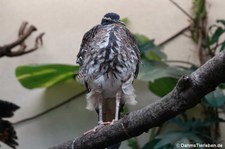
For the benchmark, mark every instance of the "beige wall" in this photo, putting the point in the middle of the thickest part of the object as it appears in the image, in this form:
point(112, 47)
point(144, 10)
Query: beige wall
point(65, 22)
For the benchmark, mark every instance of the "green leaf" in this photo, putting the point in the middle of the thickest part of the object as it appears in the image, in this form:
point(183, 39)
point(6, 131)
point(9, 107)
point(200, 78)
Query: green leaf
point(42, 76)
point(125, 21)
point(221, 21)
point(148, 49)
point(176, 137)
point(222, 46)
point(153, 70)
point(216, 35)
point(213, 120)
point(169, 138)
point(151, 145)
point(216, 98)
point(133, 143)
point(194, 137)
point(222, 86)
point(152, 56)
point(162, 86)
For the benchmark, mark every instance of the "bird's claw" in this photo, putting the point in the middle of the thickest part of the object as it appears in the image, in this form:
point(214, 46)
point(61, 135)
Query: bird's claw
point(104, 123)
point(101, 124)
point(92, 130)
point(113, 121)
point(97, 127)
point(108, 123)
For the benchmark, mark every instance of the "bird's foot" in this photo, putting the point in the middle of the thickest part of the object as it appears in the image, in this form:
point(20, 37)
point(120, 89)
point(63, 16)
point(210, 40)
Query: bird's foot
point(101, 124)
point(104, 123)
point(91, 130)
point(113, 121)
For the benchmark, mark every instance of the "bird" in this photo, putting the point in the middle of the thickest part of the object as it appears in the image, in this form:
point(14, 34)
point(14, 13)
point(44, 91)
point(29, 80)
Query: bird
point(109, 62)
point(7, 132)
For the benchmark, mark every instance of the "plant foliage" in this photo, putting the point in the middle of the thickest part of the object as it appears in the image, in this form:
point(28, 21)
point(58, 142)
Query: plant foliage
point(46, 75)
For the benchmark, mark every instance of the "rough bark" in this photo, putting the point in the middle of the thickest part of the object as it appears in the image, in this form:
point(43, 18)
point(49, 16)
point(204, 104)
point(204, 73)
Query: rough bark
point(187, 93)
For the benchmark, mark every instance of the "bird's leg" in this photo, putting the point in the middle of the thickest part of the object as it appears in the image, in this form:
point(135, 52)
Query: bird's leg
point(118, 98)
point(99, 98)
point(100, 113)
point(100, 121)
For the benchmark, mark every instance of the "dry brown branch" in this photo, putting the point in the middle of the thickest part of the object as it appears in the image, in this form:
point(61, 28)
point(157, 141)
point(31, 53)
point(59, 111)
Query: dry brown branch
point(23, 34)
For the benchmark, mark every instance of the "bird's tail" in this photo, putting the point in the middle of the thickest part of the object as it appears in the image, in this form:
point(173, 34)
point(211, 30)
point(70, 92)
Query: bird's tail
point(108, 113)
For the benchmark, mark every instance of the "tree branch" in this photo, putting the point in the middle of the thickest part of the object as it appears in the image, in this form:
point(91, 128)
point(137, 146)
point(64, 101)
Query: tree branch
point(23, 34)
point(187, 93)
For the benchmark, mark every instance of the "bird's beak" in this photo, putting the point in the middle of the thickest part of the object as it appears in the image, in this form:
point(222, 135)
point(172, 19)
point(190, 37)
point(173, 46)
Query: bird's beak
point(121, 22)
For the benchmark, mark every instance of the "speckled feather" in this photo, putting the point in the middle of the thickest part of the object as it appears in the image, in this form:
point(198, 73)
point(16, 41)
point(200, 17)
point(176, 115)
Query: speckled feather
point(108, 59)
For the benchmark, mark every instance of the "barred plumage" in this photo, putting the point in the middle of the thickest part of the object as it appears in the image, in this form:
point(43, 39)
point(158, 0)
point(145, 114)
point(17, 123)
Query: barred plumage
point(109, 62)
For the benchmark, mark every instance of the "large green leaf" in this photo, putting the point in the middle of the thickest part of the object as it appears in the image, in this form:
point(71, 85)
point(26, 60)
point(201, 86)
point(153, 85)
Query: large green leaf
point(153, 70)
point(162, 86)
point(148, 49)
point(41, 76)
point(216, 98)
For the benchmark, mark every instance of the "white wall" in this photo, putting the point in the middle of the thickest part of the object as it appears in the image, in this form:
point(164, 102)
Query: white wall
point(65, 22)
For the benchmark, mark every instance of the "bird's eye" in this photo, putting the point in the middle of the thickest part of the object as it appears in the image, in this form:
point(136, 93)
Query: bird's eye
point(106, 21)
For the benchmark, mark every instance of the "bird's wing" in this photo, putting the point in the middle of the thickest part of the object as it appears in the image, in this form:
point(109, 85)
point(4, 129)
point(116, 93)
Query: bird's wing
point(130, 39)
point(88, 36)
point(85, 46)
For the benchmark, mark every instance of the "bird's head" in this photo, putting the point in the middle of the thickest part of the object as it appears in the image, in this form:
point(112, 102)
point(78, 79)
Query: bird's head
point(111, 18)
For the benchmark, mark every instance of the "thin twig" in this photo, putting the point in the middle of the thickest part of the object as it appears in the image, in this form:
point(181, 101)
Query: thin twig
point(179, 7)
point(37, 41)
point(48, 110)
point(39, 38)
point(174, 36)
point(22, 37)
point(22, 28)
